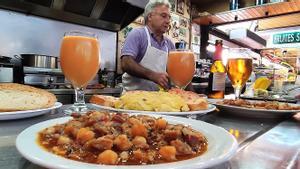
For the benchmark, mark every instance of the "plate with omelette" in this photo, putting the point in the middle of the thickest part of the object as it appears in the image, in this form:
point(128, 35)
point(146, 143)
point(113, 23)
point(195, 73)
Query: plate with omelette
point(173, 102)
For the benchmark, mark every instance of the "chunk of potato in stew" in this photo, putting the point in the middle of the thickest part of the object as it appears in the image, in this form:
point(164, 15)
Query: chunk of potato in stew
point(121, 139)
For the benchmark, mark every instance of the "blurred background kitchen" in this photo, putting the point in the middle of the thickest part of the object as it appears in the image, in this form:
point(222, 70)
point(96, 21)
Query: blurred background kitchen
point(31, 33)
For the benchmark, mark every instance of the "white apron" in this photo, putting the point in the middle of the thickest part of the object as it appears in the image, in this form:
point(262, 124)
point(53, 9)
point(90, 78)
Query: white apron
point(155, 60)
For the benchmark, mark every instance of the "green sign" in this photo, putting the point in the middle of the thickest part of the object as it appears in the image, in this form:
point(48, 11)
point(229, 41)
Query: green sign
point(290, 37)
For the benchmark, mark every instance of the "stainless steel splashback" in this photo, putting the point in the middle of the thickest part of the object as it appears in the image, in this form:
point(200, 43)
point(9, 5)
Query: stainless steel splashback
point(20, 33)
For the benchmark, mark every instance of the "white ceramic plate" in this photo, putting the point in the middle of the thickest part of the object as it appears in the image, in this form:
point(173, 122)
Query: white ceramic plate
point(253, 112)
point(221, 147)
point(281, 99)
point(28, 113)
point(210, 109)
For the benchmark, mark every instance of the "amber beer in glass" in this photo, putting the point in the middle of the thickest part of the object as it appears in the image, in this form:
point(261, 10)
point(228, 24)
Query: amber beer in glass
point(181, 67)
point(80, 62)
point(239, 68)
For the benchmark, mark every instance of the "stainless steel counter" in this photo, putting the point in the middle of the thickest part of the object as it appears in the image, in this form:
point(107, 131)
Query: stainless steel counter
point(112, 91)
point(67, 96)
point(263, 143)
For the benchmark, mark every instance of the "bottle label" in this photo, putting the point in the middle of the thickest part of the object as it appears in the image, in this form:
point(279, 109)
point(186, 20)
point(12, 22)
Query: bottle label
point(218, 81)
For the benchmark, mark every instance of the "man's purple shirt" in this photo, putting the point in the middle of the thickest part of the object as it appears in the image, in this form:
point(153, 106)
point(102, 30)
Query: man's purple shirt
point(136, 44)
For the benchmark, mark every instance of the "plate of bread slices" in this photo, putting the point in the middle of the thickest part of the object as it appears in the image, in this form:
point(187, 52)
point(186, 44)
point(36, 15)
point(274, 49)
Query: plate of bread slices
point(172, 102)
point(23, 101)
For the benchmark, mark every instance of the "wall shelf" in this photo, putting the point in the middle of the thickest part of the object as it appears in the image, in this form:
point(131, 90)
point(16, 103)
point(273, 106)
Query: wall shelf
point(250, 13)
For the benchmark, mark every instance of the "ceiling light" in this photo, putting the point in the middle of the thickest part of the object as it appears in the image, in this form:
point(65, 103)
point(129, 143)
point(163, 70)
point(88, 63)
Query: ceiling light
point(247, 37)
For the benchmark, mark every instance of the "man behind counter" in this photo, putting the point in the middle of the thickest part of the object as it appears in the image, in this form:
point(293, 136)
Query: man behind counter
point(145, 51)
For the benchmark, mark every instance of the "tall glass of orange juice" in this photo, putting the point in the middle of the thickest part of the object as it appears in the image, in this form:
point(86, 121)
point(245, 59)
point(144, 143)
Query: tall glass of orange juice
point(181, 67)
point(80, 62)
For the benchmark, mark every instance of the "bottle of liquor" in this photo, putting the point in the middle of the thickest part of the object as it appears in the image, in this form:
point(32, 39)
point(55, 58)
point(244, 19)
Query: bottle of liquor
point(234, 4)
point(260, 2)
point(216, 83)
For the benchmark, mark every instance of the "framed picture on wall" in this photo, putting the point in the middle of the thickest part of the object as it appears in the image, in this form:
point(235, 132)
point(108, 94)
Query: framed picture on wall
point(174, 26)
point(140, 20)
point(182, 32)
point(172, 2)
point(180, 6)
point(125, 31)
point(188, 7)
point(183, 22)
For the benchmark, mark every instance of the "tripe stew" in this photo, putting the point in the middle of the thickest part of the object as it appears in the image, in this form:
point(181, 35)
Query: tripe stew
point(122, 139)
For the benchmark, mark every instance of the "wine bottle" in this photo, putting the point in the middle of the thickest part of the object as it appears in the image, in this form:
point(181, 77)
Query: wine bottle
point(216, 83)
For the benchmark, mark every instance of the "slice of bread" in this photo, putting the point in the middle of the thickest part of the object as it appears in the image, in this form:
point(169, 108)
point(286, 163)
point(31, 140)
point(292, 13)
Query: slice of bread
point(103, 100)
point(198, 104)
point(17, 97)
point(193, 100)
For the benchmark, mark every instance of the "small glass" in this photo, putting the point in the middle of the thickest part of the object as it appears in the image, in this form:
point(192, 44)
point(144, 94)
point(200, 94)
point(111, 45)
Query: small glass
point(239, 68)
point(181, 67)
point(80, 62)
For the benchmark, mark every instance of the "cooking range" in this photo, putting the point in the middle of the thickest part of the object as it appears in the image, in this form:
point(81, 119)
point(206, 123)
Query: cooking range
point(6, 70)
point(42, 71)
point(10, 69)
point(44, 77)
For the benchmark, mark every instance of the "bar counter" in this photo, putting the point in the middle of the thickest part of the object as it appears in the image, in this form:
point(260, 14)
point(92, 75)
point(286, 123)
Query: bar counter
point(263, 143)
point(67, 96)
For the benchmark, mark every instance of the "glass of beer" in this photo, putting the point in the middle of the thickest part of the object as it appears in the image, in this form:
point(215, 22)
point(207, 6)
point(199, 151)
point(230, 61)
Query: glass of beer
point(181, 67)
point(239, 68)
point(80, 61)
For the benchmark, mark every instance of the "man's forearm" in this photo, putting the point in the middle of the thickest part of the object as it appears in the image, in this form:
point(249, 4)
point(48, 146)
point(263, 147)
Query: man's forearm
point(131, 67)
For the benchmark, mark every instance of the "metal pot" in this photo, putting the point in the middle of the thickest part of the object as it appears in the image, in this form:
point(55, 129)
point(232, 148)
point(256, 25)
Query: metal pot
point(37, 60)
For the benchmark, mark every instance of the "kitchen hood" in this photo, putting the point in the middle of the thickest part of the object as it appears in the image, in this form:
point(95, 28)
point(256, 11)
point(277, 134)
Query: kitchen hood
point(112, 15)
point(247, 37)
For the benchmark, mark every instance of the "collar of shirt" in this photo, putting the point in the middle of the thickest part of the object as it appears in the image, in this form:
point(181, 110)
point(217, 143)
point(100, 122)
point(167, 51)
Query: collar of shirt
point(163, 42)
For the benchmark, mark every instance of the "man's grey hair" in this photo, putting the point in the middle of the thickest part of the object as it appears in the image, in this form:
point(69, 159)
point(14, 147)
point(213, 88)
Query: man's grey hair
point(152, 4)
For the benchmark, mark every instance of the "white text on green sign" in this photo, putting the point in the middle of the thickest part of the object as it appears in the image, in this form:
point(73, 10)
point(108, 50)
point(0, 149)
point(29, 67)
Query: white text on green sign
point(290, 37)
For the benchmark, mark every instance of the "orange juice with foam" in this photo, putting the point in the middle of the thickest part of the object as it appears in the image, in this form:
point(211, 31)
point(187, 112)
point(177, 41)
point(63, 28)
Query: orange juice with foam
point(181, 67)
point(79, 59)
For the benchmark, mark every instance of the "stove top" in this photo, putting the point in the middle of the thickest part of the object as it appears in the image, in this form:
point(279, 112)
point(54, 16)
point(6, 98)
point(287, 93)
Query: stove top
point(44, 77)
point(37, 70)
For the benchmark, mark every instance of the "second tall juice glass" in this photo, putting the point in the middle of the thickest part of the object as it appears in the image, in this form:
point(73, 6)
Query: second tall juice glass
point(80, 62)
point(181, 67)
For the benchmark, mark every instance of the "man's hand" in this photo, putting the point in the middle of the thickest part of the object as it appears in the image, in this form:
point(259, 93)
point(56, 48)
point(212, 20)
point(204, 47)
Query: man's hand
point(160, 78)
point(133, 68)
point(297, 116)
point(297, 96)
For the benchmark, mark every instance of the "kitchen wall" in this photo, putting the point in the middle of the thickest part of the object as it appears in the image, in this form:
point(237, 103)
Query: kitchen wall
point(20, 33)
